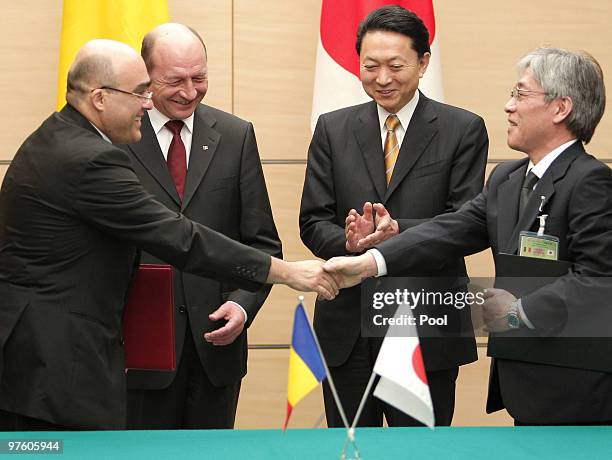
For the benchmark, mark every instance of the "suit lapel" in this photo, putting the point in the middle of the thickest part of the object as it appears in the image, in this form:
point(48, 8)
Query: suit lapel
point(204, 143)
point(150, 155)
point(508, 195)
point(543, 193)
point(419, 133)
point(367, 132)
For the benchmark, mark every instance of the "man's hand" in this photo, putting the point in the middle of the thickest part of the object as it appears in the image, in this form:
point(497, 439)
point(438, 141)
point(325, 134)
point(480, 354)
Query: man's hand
point(495, 309)
point(349, 271)
point(304, 275)
point(357, 227)
point(225, 335)
point(386, 227)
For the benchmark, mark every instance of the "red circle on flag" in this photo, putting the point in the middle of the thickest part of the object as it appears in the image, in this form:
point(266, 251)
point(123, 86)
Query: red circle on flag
point(417, 364)
point(340, 20)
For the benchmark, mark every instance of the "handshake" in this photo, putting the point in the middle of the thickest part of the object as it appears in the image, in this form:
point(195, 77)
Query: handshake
point(327, 278)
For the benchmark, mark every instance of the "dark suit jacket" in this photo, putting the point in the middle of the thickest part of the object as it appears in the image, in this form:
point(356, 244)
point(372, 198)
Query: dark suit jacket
point(225, 190)
point(578, 191)
point(440, 166)
point(72, 212)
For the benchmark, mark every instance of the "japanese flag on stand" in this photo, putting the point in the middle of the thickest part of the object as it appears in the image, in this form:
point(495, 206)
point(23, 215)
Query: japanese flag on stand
point(336, 83)
point(403, 382)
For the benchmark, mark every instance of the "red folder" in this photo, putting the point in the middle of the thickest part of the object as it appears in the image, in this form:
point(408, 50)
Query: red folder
point(148, 321)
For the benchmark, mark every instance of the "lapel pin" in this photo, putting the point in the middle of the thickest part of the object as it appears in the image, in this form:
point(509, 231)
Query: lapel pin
point(205, 147)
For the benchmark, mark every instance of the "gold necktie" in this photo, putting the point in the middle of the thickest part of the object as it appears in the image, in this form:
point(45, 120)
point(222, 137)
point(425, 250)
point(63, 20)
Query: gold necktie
point(391, 145)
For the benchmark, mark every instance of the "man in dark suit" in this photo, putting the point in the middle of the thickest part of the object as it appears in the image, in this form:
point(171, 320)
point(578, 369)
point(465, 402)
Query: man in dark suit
point(72, 213)
point(440, 165)
point(541, 377)
point(224, 190)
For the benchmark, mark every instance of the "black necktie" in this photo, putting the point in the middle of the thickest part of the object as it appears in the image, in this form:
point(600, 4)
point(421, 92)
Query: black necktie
point(530, 180)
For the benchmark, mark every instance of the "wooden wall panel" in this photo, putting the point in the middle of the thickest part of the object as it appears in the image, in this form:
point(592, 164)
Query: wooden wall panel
point(482, 40)
point(3, 169)
point(471, 395)
point(213, 20)
point(29, 51)
point(274, 48)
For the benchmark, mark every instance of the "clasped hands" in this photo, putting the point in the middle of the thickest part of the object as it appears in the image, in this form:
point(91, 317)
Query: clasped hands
point(362, 231)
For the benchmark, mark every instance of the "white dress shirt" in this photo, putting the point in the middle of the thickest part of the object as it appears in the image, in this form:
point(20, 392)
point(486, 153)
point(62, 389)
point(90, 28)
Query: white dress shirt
point(164, 135)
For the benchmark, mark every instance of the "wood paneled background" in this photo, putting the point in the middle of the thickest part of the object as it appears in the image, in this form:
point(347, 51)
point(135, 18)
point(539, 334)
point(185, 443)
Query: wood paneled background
point(261, 63)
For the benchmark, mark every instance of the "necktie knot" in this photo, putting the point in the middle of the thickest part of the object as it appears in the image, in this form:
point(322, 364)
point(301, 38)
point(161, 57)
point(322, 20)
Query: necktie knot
point(530, 181)
point(175, 126)
point(392, 123)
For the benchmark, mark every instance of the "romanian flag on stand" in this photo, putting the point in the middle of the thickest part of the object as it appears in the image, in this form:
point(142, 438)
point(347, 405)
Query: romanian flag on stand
point(306, 368)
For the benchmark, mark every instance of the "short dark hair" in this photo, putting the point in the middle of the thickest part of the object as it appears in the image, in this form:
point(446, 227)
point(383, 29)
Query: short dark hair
point(394, 18)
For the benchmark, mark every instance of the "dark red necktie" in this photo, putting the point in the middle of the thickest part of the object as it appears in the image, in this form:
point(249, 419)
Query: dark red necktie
point(177, 157)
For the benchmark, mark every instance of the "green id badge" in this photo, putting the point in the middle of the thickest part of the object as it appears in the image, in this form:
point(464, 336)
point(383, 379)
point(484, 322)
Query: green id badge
point(532, 244)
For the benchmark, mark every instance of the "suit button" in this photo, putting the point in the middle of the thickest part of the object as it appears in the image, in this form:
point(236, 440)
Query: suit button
point(182, 309)
point(121, 341)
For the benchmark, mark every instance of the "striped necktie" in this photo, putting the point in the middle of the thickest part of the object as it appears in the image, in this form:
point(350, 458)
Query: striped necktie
point(391, 145)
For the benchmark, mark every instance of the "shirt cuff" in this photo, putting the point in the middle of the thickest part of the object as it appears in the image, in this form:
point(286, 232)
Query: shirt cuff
point(523, 316)
point(243, 310)
point(381, 265)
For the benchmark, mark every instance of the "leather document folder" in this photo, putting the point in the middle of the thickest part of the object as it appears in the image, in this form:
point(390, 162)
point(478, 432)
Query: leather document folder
point(148, 321)
point(523, 275)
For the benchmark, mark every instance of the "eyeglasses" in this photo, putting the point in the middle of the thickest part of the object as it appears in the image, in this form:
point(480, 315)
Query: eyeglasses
point(145, 96)
point(519, 93)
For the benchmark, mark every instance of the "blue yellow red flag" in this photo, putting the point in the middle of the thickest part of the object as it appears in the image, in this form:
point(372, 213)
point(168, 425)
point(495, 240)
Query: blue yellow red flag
point(306, 368)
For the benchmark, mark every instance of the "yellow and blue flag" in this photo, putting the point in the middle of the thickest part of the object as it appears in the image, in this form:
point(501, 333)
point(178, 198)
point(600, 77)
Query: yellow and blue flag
point(124, 20)
point(306, 368)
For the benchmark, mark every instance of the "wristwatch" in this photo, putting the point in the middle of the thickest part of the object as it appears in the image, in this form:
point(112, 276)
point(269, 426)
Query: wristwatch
point(514, 321)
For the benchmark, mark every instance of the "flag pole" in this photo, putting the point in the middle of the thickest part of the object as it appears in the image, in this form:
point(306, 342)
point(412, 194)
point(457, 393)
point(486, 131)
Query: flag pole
point(329, 377)
point(366, 393)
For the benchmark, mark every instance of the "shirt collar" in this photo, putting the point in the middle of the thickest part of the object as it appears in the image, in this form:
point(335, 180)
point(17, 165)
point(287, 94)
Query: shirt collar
point(404, 114)
point(158, 120)
point(545, 162)
point(104, 136)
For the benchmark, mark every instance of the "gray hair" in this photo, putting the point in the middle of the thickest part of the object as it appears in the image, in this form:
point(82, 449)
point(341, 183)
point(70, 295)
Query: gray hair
point(576, 75)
